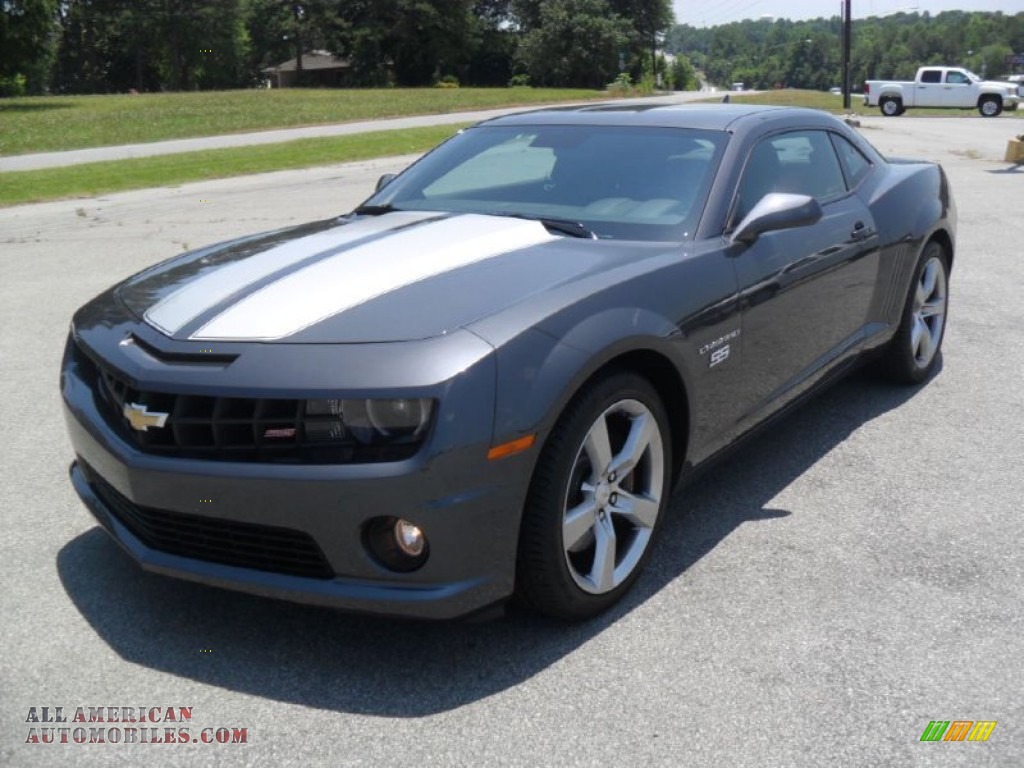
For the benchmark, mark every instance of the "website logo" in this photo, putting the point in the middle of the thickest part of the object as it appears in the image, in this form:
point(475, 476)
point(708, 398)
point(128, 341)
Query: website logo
point(958, 730)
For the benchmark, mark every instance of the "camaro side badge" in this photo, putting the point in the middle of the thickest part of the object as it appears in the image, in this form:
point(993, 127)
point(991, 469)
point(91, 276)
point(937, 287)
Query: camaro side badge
point(141, 419)
point(718, 356)
point(719, 348)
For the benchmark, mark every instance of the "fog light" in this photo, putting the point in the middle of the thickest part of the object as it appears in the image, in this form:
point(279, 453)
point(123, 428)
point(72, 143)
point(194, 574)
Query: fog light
point(395, 543)
point(409, 538)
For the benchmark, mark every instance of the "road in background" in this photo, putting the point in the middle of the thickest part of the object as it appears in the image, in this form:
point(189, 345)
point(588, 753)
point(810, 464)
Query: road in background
point(817, 600)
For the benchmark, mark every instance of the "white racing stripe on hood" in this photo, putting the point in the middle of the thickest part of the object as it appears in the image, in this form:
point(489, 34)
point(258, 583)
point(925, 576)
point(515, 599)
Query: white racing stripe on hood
point(173, 312)
point(367, 271)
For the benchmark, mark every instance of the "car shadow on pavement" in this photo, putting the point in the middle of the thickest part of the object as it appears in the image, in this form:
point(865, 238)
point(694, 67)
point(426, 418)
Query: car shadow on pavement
point(334, 661)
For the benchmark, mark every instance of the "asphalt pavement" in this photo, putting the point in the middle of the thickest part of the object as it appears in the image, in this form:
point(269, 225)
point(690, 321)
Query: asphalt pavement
point(817, 600)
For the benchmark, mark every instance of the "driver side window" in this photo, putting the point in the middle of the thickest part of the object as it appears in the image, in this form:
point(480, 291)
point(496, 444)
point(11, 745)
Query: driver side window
point(798, 162)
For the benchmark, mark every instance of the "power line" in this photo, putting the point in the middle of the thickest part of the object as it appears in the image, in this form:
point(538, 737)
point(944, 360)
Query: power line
point(727, 10)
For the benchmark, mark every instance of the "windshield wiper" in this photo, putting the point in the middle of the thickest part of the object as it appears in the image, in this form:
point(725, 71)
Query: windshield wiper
point(562, 226)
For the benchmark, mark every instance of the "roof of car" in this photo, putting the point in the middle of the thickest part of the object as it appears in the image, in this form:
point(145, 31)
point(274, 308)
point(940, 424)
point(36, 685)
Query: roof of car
point(720, 117)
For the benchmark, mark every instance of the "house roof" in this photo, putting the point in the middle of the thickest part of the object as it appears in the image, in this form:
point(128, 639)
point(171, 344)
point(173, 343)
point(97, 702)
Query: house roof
point(311, 61)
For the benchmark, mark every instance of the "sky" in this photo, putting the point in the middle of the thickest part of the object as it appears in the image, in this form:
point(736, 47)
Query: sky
point(698, 13)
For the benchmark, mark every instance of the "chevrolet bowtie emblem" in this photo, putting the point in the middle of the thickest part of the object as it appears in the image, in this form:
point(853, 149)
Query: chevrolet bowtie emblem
point(141, 419)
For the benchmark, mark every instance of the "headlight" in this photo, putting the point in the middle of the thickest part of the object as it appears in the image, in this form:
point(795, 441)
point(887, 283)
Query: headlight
point(392, 421)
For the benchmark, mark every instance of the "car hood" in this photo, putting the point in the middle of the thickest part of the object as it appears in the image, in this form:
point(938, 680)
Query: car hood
point(395, 277)
point(1006, 86)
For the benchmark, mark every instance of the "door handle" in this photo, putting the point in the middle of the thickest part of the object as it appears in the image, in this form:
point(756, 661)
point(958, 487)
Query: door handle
point(861, 231)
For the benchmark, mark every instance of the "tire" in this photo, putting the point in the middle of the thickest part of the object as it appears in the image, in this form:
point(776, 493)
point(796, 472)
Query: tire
point(990, 106)
point(587, 530)
point(913, 353)
point(890, 106)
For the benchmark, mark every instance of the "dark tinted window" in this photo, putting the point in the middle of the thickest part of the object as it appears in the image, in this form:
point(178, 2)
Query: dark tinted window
point(931, 76)
point(800, 162)
point(854, 163)
point(642, 183)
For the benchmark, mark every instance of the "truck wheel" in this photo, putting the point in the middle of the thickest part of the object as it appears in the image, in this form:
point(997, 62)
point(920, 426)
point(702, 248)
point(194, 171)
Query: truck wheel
point(990, 106)
point(890, 106)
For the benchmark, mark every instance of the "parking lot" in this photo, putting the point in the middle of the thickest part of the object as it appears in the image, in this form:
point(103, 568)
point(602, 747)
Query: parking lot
point(840, 582)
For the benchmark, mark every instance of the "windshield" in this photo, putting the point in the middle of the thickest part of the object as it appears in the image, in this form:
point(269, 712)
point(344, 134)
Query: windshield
point(974, 77)
point(619, 182)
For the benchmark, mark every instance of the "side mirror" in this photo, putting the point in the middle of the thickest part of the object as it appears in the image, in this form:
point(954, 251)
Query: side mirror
point(384, 180)
point(776, 211)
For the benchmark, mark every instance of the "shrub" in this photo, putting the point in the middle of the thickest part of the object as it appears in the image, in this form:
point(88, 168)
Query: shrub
point(622, 85)
point(448, 81)
point(13, 85)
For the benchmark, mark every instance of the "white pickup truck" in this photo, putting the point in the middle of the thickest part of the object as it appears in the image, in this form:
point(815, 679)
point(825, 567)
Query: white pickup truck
point(938, 87)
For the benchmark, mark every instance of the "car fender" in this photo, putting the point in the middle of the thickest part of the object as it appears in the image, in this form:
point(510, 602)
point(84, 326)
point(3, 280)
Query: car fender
point(891, 89)
point(551, 367)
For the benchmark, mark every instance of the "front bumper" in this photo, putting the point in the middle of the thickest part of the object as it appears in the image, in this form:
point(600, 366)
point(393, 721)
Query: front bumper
point(202, 520)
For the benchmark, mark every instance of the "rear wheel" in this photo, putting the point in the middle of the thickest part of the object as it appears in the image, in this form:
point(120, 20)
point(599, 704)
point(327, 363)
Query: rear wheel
point(890, 106)
point(990, 106)
point(913, 352)
point(597, 496)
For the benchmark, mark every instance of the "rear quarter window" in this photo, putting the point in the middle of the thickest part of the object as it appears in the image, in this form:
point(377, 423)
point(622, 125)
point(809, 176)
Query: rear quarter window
point(855, 166)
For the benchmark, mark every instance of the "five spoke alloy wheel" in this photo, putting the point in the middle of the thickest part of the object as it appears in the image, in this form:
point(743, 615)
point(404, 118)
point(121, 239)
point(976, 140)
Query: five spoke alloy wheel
point(599, 491)
point(613, 497)
point(929, 312)
point(913, 353)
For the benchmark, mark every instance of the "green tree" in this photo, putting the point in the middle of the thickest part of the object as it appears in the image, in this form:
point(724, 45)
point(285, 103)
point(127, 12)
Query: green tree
point(28, 35)
point(90, 48)
point(577, 44)
point(117, 45)
point(765, 54)
point(279, 30)
point(491, 62)
point(993, 59)
point(412, 42)
point(684, 77)
point(650, 20)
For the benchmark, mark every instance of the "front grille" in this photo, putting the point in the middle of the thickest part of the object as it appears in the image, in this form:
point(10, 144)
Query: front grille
point(246, 429)
point(244, 545)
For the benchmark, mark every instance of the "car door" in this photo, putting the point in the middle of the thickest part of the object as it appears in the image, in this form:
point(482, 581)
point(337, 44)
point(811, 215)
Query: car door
point(805, 293)
point(957, 91)
point(929, 91)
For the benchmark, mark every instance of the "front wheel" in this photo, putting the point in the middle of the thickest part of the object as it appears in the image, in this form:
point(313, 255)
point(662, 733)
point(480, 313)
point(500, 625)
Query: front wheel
point(990, 106)
point(913, 353)
point(598, 493)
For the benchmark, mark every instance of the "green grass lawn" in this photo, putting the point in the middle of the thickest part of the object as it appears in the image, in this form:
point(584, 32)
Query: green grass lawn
point(96, 120)
point(53, 123)
point(792, 97)
point(91, 179)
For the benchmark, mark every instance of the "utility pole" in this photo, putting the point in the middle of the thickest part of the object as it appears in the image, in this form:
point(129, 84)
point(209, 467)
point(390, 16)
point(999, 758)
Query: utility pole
point(847, 39)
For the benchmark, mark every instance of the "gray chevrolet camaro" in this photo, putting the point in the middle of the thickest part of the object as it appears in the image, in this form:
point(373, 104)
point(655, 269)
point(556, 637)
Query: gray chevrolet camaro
point(485, 381)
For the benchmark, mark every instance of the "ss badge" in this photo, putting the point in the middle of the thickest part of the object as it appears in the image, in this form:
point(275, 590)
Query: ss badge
point(718, 356)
